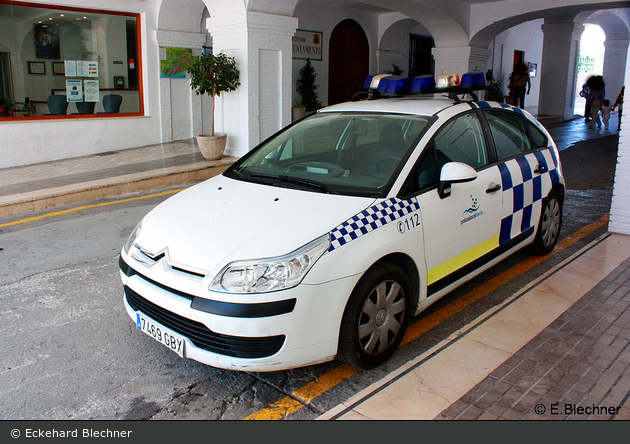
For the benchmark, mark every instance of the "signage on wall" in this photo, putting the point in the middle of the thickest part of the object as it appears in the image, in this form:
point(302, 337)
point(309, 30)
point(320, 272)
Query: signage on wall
point(307, 44)
point(92, 88)
point(80, 68)
point(74, 90)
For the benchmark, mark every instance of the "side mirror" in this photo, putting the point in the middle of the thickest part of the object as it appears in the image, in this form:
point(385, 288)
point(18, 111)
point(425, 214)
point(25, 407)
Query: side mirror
point(454, 172)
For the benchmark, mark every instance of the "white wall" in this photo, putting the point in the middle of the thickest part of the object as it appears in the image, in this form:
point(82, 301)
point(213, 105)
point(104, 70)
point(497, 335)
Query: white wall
point(26, 142)
point(527, 37)
point(313, 17)
point(620, 207)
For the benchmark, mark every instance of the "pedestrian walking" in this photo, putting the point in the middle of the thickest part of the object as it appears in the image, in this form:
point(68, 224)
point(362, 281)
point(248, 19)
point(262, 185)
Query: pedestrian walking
point(521, 84)
point(597, 93)
point(606, 110)
point(619, 103)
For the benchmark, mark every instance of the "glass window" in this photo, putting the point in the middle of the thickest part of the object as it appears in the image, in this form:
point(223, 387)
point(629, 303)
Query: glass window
point(509, 133)
point(345, 152)
point(59, 61)
point(462, 140)
point(538, 137)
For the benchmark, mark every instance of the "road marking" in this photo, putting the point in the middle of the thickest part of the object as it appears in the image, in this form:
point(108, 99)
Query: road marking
point(287, 405)
point(71, 210)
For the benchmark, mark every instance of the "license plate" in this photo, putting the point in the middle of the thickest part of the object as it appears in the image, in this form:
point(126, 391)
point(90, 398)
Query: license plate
point(161, 334)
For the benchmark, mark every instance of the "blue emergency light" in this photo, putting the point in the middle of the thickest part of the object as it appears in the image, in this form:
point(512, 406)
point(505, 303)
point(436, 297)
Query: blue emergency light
point(423, 84)
point(386, 85)
point(394, 85)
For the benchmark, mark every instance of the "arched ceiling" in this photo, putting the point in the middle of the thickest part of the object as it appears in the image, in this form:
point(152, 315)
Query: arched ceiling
point(577, 12)
point(181, 15)
point(448, 21)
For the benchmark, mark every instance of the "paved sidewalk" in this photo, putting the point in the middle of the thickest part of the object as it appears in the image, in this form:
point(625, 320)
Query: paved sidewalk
point(576, 368)
point(555, 350)
point(62, 182)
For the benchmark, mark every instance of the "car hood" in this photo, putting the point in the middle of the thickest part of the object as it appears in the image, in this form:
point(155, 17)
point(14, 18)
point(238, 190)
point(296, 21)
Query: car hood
point(222, 220)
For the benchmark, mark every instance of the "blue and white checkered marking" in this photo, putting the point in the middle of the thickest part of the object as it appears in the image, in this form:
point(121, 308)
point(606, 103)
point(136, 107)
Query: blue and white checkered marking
point(524, 190)
point(370, 219)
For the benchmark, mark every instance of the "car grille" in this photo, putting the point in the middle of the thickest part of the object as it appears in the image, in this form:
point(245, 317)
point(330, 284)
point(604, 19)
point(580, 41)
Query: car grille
point(202, 336)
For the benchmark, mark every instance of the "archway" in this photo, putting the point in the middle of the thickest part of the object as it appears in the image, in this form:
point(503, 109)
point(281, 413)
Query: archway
point(348, 61)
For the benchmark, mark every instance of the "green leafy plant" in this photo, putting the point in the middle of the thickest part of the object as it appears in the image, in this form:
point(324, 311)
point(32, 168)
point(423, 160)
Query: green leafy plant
point(6, 109)
point(396, 70)
point(213, 74)
point(306, 87)
point(494, 88)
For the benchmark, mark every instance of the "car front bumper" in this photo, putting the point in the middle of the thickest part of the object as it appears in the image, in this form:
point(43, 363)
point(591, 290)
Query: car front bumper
point(289, 328)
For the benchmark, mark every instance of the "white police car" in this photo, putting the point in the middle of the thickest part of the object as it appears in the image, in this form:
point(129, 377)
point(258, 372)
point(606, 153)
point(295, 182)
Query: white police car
point(325, 239)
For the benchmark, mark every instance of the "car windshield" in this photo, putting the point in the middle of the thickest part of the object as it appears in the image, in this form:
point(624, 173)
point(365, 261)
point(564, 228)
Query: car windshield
point(345, 153)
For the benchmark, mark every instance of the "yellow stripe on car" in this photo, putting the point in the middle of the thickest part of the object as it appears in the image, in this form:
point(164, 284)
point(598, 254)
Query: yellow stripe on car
point(459, 261)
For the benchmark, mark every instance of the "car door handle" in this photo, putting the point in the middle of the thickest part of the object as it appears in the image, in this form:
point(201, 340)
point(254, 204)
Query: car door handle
point(540, 169)
point(493, 188)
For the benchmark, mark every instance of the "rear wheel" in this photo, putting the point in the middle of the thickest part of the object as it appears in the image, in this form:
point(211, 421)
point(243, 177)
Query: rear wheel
point(549, 225)
point(376, 317)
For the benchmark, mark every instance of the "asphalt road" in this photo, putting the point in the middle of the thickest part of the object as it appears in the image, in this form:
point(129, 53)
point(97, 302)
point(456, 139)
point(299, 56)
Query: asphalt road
point(69, 350)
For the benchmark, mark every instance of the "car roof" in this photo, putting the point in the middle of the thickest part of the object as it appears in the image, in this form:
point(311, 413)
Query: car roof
point(426, 106)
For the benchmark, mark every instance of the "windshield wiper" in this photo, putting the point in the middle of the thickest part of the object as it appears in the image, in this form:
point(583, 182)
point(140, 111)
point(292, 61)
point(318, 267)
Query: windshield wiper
point(296, 180)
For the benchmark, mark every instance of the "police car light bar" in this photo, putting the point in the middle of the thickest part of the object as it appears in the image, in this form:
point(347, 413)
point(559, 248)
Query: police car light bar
point(386, 85)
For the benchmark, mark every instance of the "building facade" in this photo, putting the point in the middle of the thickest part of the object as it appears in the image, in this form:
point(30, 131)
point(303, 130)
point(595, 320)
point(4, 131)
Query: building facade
point(86, 50)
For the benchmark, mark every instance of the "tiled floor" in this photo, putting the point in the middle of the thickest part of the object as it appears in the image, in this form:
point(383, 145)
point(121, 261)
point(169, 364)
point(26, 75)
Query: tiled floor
point(547, 350)
point(69, 171)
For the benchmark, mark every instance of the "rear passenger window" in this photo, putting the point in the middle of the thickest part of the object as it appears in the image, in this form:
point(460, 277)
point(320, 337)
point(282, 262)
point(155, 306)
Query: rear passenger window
point(538, 137)
point(509, 133)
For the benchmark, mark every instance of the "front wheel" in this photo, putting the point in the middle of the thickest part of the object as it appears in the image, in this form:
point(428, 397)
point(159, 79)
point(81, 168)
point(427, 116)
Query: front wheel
point(549, 225)
point(376, 317)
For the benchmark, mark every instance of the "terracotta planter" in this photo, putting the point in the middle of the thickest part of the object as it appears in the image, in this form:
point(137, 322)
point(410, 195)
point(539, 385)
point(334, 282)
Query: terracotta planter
point(212, 147)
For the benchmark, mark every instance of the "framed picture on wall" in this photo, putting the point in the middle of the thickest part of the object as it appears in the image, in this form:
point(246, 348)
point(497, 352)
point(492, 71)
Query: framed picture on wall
point(47, 41)
point(58, 68)
point(533, 69)
point(36, 68)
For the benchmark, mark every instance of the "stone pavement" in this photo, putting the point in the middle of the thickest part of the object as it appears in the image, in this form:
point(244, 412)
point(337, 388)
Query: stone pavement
point(557, 349)
point(576, 368)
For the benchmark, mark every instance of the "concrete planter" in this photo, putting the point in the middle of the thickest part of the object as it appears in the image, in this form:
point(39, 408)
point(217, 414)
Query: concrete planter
point(298, 113)
point(212, 147)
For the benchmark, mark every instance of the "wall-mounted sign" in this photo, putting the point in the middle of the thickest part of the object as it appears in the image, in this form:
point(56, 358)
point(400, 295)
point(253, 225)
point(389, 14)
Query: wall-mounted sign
point(74, 90)
point(80, 68)
point(307, 44)
point(91, 88)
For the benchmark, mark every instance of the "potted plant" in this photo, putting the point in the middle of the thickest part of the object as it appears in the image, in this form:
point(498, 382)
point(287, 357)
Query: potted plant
point(213, 74)
point(6, 109)
point(306, 87)
point(494, 89)
point(298, 110)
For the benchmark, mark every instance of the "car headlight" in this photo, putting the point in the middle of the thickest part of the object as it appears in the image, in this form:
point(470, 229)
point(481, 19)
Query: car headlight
point(132, 238)
point(270, 274)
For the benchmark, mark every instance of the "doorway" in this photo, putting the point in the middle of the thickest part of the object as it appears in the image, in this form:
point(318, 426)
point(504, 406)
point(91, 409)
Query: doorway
point(348, 66)
point(5, 77)
point(420, 55)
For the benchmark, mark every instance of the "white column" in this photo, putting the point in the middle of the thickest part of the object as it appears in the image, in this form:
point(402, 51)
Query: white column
point(620, 207)
point(615, 59)
point(178, 102)
point(561, 45)
point(261, 44)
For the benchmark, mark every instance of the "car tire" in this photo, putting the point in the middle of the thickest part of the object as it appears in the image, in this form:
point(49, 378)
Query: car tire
point(549, 225)
point(375, 317)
